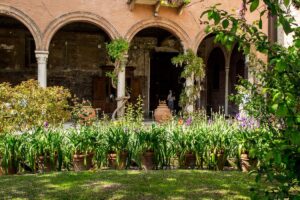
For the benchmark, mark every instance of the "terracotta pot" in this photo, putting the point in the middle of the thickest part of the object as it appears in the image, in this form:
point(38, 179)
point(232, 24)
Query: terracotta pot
point(147, 160)
point(245, 162)
point(78, 162)
point(162, 113)
point(112, 160)
point(89, 161)
point(45, 165)
point(87, 114)
point(189, 160)
point(220, 161)
point(12, 168)
point(122, 160)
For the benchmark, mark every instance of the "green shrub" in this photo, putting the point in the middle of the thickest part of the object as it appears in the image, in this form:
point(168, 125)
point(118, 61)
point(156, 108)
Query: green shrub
point(27, 105)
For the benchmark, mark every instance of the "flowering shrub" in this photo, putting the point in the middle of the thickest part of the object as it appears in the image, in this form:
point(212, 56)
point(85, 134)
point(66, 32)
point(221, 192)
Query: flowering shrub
point(27, 105)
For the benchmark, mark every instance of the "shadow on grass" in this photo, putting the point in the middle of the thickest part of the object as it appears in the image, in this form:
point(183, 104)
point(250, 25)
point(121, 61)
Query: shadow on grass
point(106, 184)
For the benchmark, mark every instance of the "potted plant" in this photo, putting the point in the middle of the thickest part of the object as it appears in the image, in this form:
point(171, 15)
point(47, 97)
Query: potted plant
point(10, 153)
point(43, 149)
point(221, 141)
point(83, 112)
point(81, 144)
point(147, 146)
point(118, 146)
point(247, 138)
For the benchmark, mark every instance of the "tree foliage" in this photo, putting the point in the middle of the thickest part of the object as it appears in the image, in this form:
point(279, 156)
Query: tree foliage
point(274, 98)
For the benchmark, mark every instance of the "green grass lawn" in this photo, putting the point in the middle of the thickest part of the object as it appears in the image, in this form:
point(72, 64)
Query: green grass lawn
point(109, 184)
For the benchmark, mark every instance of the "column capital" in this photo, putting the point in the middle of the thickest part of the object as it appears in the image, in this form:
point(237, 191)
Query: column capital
point(41, 56)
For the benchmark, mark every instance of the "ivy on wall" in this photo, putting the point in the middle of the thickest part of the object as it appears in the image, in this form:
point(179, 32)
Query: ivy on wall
point(193, 69)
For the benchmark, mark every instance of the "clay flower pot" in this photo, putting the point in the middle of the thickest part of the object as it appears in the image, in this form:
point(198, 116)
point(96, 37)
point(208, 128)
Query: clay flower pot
point(147, 160)
point(78, 162)
point(112, 160)
point(89, 160)
point(162, 113)
point(45, 165)
point(245, 162)
point(189, 160)
point(87, 114)
point(122, 160)
point(220, 160)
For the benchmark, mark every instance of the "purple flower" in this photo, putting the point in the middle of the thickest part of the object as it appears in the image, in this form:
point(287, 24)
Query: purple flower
point(46, 124)
point(209, 121)
point(188, 122)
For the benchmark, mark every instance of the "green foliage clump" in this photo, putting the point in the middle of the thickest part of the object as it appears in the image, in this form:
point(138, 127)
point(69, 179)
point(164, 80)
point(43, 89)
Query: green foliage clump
point(204, 138)
point(27, 105)
point(116, 49)
point(134, 113)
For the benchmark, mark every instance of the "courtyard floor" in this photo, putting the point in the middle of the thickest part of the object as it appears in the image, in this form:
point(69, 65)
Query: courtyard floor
point(133, 184)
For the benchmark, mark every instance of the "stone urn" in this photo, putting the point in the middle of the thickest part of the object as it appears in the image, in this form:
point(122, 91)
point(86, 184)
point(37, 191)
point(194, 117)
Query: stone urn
point(162, 113)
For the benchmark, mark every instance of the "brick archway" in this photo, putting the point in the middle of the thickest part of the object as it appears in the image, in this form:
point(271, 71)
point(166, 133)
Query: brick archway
point(68, 18)
point(24, 19)
point(201, 37)
point(160, 23)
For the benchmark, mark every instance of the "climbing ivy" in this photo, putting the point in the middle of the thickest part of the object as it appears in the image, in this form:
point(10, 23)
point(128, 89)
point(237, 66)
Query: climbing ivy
point(194, 69)
point(116, 50)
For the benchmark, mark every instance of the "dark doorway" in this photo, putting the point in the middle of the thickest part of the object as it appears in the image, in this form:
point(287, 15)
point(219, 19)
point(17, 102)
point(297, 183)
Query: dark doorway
point(215, 81)
point(164, 76)
point(17, 57)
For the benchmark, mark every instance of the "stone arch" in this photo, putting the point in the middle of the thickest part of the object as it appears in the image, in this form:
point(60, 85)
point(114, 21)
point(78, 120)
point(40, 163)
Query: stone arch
point(201, 37)
point(160, 23)
point(68, 18)
point(24, 19)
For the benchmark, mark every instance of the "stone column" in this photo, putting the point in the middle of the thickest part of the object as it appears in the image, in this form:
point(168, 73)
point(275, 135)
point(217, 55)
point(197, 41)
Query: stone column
point(121, 86)
point(226, 85)
point(190, 84)
point(42, 57)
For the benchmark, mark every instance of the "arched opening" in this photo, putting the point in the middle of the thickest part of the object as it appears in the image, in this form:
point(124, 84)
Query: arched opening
point(17, 52)
point(78, 60)
point(215, 80)
point(236, 73)
point(212, 97)
point(154, 74)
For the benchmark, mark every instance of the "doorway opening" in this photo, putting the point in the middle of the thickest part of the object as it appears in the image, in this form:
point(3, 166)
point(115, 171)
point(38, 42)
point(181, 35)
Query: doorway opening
point(150, 55)
point(164, 76)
